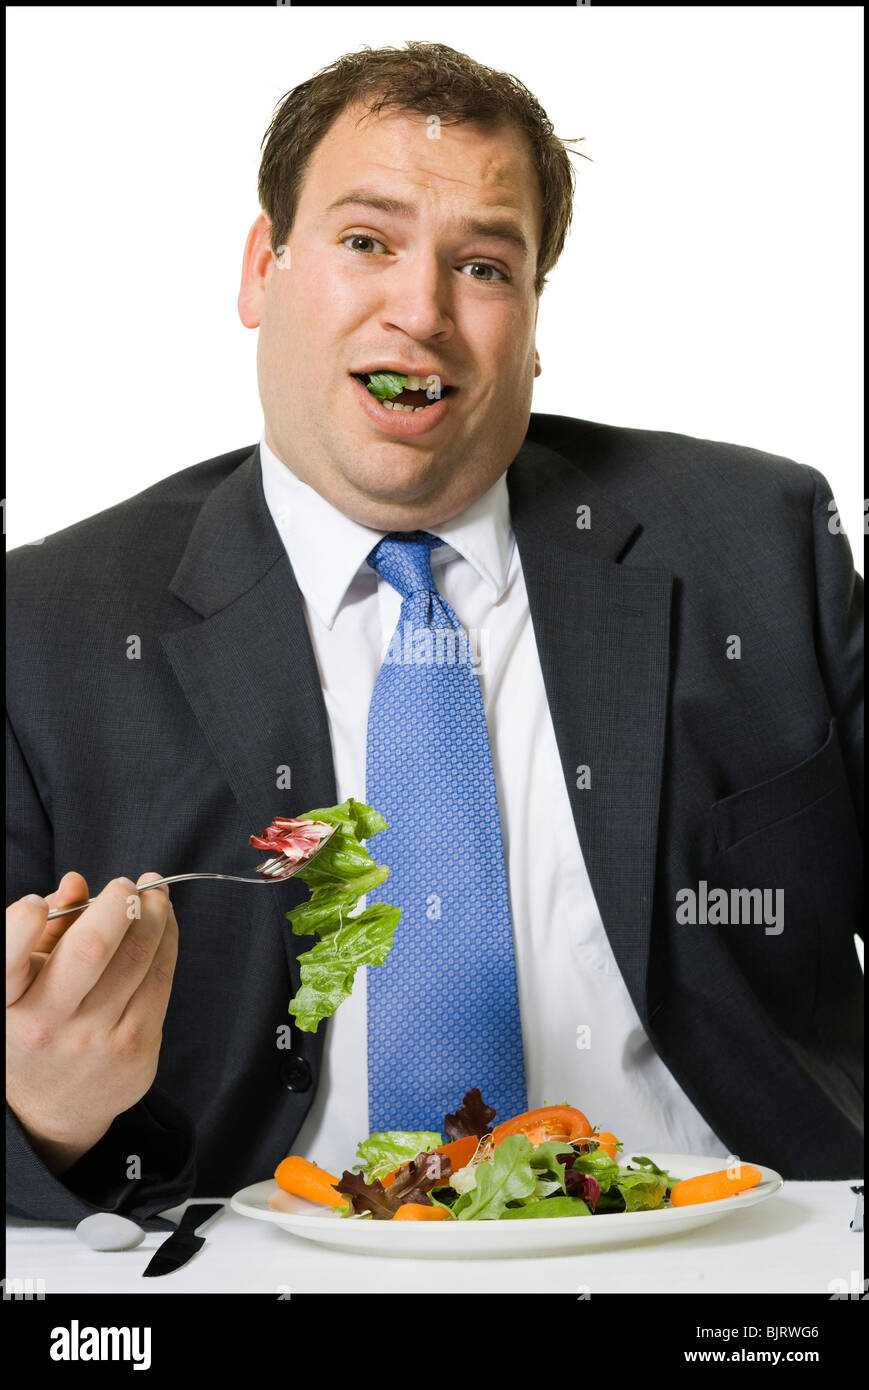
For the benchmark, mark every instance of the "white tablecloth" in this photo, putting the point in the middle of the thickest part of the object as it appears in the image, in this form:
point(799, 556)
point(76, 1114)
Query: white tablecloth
point(796, 1242)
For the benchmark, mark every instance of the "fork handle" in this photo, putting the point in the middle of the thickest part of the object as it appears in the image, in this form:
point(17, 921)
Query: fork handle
point(155, 883)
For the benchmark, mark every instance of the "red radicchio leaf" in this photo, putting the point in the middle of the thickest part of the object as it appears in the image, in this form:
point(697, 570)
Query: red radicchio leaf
point(295, 838)
point(473, 1117)
point(582, 1185)
point(411, 1185)
point(366, 1196)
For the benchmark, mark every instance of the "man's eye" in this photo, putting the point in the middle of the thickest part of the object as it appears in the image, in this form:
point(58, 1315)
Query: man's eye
point(359, 236)
point(486, 266)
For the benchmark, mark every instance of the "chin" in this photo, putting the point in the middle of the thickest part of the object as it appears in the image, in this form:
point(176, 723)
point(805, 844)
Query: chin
point(394, 484)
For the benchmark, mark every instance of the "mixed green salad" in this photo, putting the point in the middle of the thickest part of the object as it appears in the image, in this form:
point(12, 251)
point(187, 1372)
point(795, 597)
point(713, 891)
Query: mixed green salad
point(548, 1162)
point(485, 1173)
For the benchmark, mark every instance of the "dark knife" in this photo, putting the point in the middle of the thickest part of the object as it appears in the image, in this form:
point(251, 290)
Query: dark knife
point(183, 1243)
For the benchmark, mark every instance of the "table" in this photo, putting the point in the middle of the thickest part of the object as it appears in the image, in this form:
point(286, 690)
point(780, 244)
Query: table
point(799, 1241)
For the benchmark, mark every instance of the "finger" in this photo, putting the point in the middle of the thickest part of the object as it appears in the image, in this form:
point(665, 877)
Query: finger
point(72, 888)
point(25, 923)
point(146, 1009)
point(85, 950)
point(132, 960)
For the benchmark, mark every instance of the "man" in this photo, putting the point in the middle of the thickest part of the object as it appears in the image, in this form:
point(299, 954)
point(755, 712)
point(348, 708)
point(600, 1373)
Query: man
point(625, 840)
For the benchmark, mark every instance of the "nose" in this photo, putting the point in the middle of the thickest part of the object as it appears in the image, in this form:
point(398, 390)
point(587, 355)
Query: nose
point(417, 298)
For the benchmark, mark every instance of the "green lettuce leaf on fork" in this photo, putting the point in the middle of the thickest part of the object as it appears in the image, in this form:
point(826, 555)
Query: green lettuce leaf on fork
point(338, 877)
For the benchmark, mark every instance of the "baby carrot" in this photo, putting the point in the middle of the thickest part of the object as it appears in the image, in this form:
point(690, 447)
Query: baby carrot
point(711, 1187)
point(304, 1179)
point(417, 1211)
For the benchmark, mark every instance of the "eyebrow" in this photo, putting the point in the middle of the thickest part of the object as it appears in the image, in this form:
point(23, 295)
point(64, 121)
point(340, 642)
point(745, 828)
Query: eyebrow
point(503, 229)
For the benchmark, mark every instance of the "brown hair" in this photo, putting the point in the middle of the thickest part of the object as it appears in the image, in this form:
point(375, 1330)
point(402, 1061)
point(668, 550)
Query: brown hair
point(421, 78)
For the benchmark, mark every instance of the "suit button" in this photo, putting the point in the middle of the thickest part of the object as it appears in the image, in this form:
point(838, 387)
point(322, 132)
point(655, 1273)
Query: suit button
point(296, 1073)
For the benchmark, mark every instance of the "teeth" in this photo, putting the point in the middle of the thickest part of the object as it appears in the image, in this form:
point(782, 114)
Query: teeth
point(405, 409)
point(414, 383)
point(420, 383)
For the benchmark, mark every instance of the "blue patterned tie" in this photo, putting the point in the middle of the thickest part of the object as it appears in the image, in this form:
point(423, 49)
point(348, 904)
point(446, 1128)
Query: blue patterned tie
point(443, 1009)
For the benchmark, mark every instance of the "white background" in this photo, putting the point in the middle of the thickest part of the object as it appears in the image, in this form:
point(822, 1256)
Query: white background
point(711, 284)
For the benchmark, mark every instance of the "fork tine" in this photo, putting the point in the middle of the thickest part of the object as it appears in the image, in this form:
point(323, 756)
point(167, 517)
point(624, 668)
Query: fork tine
point(281, 866)
point(272, 866)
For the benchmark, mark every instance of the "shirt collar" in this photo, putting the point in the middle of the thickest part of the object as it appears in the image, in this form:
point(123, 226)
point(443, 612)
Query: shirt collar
point(328, 549)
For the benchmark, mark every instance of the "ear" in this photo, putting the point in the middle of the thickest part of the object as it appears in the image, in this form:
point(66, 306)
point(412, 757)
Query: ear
point(256, 265)
point(537, 367)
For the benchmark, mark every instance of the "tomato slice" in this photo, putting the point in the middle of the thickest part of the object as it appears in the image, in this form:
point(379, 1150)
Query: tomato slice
point(549, 1122)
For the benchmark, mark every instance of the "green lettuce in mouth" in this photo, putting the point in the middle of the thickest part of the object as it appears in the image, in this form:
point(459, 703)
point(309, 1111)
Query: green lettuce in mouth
point(338, 877)
point(386, 385)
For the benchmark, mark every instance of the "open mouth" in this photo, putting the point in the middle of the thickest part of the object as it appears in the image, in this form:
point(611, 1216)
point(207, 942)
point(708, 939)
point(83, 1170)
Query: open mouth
point(409, 400)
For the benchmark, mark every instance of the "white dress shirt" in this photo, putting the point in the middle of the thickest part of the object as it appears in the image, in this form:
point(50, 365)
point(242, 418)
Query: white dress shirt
point(567, 976)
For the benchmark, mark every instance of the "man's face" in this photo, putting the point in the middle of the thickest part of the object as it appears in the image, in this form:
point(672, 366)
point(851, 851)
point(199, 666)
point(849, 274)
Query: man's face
point(359, 288)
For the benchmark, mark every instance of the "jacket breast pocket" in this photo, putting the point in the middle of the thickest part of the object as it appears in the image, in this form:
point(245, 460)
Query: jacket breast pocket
point(760, 807)
point(788, 849)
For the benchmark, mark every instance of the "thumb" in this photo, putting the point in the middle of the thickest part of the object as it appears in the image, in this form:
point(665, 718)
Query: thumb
point(72, 888)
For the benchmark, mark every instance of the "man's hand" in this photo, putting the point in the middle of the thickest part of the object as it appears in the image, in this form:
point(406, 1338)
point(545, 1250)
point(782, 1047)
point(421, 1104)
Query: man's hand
point(86, 996)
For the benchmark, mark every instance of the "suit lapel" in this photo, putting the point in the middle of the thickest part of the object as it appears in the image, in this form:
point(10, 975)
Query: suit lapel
point(248, 670)
point(602, 631)
point(249, 673)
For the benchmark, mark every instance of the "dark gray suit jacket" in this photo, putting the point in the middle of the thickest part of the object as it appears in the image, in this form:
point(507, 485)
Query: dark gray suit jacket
point(741, 773)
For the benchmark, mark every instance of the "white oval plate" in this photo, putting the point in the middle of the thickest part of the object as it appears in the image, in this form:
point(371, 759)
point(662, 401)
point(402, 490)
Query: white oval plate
point(491, 1239)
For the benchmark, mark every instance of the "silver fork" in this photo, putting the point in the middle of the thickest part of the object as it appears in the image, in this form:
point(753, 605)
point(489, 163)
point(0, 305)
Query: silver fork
point(274, 870)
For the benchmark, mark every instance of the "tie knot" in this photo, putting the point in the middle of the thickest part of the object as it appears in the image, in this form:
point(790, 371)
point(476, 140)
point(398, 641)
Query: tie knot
point(403, 559)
